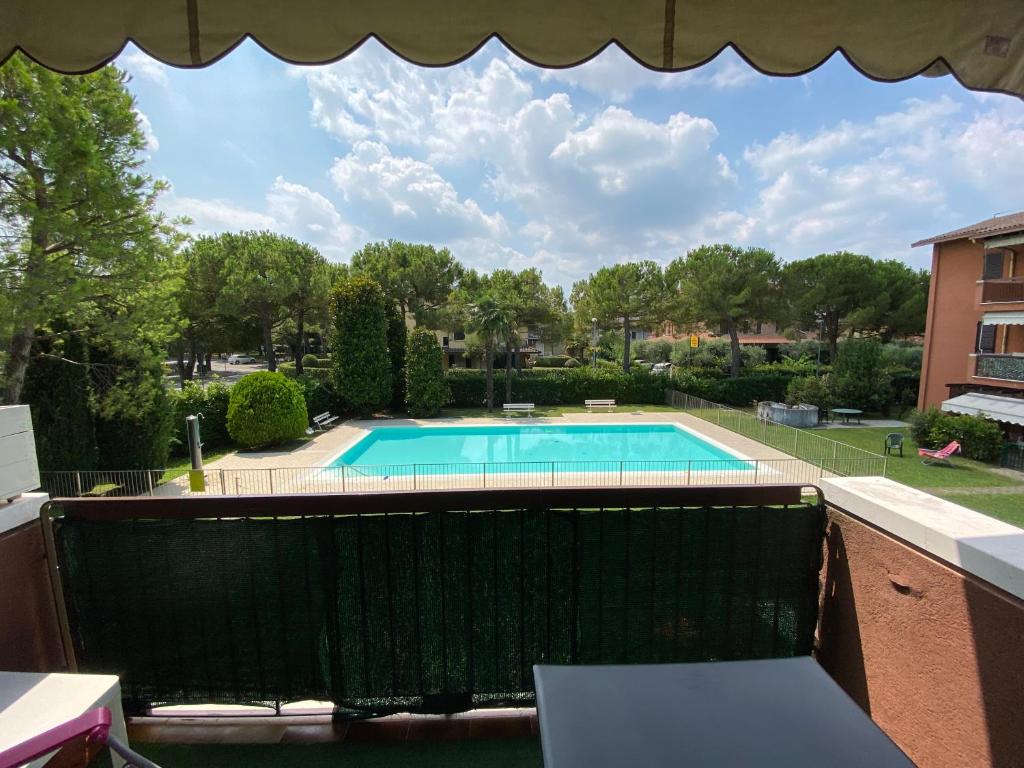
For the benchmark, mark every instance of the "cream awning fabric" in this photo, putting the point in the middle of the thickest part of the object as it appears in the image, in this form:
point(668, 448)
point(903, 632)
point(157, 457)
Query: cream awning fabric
point(980, 41)
point(1006, 409)
point(1003, 318)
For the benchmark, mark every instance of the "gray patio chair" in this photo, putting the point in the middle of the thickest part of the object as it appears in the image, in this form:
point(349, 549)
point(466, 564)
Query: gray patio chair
point(894, 442)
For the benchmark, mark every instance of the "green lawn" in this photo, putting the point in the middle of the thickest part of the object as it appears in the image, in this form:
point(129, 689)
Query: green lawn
point(964, 473)
point(1008, 507)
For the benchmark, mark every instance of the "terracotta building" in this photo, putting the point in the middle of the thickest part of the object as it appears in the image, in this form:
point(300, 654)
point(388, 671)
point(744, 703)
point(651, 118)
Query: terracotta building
point(974, 337)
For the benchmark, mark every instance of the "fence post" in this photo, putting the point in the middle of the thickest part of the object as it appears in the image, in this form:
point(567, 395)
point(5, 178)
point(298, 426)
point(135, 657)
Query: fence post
point(78, 483)
point(271, 481)
point(757, 467)
point(620, 473)
point(835, 453)
point(689, 468)
point(223, 485)
point(796, 444)
point(485, 474)
point(552, 474)
point(414, 476)
point(342, 478)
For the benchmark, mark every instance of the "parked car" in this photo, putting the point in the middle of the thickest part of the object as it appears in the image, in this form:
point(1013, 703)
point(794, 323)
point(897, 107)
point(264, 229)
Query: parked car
point(662, 368)
point(240, 359)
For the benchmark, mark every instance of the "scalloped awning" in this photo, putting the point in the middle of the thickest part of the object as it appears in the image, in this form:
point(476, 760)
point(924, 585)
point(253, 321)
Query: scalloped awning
point(980, 41)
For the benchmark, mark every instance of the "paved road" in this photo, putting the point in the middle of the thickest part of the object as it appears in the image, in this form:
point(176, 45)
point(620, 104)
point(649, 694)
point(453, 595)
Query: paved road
point(229, 374)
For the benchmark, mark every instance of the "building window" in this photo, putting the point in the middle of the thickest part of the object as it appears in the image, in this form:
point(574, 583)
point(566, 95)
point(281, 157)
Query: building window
point(993, 269)
point(460, 336)
point(444, 341)
point(451, 361)
point(986, 339)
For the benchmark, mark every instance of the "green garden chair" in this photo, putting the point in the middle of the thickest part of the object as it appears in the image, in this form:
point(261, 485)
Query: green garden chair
point(894, 442)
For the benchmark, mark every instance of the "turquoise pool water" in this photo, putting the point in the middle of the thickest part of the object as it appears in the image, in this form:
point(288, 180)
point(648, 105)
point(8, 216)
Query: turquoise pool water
point(640, 447)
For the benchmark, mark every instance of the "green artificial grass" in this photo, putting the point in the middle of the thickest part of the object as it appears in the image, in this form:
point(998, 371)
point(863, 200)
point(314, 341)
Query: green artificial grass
point(1008, 507)
point(503, 753)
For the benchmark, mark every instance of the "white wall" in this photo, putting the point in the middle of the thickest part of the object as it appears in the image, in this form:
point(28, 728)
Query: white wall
point(19, 470)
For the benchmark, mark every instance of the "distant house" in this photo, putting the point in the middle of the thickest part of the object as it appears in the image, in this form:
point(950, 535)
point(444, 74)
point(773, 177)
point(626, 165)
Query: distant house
point(974, 335)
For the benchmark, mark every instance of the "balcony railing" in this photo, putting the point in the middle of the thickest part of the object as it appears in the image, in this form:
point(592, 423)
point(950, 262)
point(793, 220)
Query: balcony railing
point(1005, 367)
point(1003, 290)
point(429, 602)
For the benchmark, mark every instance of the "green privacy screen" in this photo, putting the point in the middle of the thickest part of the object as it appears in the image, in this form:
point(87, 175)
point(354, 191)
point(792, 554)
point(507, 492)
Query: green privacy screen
point(432, 612)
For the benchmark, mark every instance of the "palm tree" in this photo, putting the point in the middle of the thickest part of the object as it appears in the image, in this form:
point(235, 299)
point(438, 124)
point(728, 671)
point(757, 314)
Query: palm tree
point(493, 322)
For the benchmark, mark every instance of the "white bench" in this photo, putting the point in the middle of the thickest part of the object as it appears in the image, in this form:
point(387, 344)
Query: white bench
point(324, 420)
point(592, 404)
point(511, 408)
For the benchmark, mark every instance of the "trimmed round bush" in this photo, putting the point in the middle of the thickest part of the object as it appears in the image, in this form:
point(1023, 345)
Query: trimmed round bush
point(572, 362)
point(266, 409)
point(310, 361)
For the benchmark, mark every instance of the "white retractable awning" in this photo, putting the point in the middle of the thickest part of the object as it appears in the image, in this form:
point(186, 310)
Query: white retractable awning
point(1006, 409)
point(1003, 318)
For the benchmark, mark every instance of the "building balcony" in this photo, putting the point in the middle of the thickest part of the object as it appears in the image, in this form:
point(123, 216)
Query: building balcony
point(1001, 291)
point(1005, 368)
point(440, 602)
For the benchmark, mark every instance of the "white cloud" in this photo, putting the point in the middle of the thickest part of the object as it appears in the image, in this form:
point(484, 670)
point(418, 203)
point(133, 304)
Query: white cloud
point(408, 198)
point(142, 65)
point(290, 209)
point(152, 143)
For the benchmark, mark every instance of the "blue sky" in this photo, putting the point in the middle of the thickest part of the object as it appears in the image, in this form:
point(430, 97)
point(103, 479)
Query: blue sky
point(510, 165)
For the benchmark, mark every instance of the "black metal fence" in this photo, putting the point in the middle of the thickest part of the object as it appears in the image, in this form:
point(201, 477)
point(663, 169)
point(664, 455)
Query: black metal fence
point(431, 601)
point(1012, 456)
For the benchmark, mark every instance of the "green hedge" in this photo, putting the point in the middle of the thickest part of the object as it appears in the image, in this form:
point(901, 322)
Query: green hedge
point(212, 402)
point(551, 361)
point(739, 392)
point(426, 390)
point(553, 386)
point(979, 438)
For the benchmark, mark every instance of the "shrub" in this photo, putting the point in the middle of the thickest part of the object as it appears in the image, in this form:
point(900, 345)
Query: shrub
point(552, 386)
point(810, 390)
point(58, 393)
point(396, 349)
point(360, 357)
point(551, 361)
point(860, 381)
point(266, 409)
point(979, 438)
point(572, 362)
point(135, 421)
point(715, 356)
point(212, 402)
point(310, 361)
point(426, 390)
point(741, 391)
point(317, 392)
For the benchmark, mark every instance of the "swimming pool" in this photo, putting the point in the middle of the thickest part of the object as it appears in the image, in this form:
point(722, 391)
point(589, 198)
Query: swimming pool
point(539, 448)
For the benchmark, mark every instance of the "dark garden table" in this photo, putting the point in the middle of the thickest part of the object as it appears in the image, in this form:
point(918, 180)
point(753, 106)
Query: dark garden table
point(777, 712)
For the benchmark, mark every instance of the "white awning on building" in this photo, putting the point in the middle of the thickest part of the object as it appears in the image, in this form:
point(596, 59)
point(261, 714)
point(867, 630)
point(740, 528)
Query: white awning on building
point(978, 42)
point(1006, 409)
point(1003, 318)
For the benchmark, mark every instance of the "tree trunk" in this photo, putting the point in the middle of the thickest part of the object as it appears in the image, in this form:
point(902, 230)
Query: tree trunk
point(17, 363)
point(508, 371)
point(734, 344)
point(625, 344)
point(268, 345)
point(190, 367)
point(300, 326)
point(489, 364)
point(180, 358)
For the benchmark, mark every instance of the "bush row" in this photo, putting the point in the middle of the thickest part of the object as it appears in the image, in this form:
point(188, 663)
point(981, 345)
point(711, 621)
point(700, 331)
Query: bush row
point(553, 386)
point(212, 402)
point(739, 392)
point(979, 437)
point(553, 361)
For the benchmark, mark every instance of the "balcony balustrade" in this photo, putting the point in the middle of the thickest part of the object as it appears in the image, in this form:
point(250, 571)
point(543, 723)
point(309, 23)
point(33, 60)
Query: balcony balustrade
point(1004, 367)
point(1004, 290)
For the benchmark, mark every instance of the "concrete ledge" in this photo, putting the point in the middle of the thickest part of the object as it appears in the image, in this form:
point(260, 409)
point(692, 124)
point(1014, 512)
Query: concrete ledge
point(24, 509)
point(981, 545)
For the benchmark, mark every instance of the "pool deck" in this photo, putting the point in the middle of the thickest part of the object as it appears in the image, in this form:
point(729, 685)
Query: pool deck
point(775, 466)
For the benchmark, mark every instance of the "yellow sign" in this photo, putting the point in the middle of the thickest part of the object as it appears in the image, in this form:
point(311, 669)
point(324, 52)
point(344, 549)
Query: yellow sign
point(694, 341)
point(196, 480)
